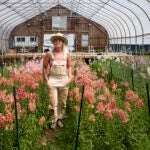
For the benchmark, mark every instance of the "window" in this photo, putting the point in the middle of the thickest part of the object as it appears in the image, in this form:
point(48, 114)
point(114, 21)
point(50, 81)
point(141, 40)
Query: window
point(33, 39)
point(59, 23)
point(20, 39)
point(23, 39)
point(85, 40)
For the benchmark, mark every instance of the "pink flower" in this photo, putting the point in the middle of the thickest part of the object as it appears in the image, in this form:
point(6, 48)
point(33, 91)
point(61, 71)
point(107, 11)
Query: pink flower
point(127, 106)
point(111, 104)
point(50, 107)
point(123, 115)
point(18, 106)
point(131, 96)
point(9, 118)
point(100, 84)
point(100, 108)
point(89, 94)
point(79, 98)
point(126, 84)
point(42, 120)
point(76, 91)
point(140, 103)
point(112, 83)
point(90, 106)
point(77, 108)
point(108, 115)
point(2, 120)
point(102, 98)
point(32, 105)
point(106, 92)
point(92, 117)
point(104, 73)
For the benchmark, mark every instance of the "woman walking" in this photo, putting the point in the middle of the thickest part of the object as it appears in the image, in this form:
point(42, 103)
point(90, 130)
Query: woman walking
point(58, 77)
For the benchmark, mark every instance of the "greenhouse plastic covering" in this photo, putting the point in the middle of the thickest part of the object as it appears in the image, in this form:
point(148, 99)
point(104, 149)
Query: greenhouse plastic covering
point(126, 21)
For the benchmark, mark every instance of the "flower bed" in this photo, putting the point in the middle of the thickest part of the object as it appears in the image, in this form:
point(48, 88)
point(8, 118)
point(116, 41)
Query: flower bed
point(113, 115)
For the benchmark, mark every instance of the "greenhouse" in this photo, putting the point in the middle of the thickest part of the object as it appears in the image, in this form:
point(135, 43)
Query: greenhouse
point(75, 74)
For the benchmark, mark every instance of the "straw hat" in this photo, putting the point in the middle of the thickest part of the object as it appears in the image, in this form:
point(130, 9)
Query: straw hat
point(59, 36)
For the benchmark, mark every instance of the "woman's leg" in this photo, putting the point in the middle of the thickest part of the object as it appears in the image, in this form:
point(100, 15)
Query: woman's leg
point(62, 98)
point(53, 94)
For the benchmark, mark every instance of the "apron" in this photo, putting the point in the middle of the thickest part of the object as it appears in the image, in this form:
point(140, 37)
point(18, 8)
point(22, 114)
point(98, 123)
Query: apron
point(58, 76)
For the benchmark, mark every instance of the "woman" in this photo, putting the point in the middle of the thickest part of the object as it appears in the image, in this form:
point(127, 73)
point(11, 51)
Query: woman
point(58, 77)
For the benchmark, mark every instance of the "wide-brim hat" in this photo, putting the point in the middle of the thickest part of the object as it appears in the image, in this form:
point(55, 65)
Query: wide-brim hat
point(59, 36)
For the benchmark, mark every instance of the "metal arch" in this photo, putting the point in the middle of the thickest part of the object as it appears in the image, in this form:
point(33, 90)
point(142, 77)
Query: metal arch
point(106, 26)
point(120, 21)
point(9, 21)
point(141, 9)
point(19, 19)
point(12, 21)
point(7, 28)
point(119, 28)
point(125, 15)
point(77, 5)
point(22, 5)
point(13, 10)
point(17, 23)
point(93, 20)
point(98, 10)
point(15, 13)
point(116, 25)
point(81, 13)
point(37, 10)
point(109, 22)
point(136, 17)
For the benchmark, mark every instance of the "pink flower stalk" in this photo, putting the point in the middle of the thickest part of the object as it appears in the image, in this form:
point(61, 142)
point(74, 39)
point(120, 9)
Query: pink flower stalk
point(112, 83)
point(111, 104)
point(100, 84)
point(127, 106)
point(102, 98)
point(77, 108)
point(18, 107)
point(104, 73)
point(106, 92)
point(108, 115)
point(100, 108)
point(92, 117)
point(125, 84)
point(123, 115)
point(2, 120)
point(131, 96)
point(90, 94)
point(42, 120)
point(21, 93)
point(76, 91)
point(140, 103)
point(32, 105)
point(6, 82)
point(79, 98)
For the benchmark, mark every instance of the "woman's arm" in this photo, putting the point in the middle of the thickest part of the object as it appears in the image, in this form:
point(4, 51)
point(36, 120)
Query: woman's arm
point(46, 62)
point(69, 67)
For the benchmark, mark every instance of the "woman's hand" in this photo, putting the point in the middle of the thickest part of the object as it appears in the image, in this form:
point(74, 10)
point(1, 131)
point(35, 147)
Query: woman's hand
point(69, 80)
